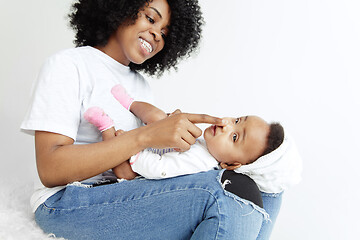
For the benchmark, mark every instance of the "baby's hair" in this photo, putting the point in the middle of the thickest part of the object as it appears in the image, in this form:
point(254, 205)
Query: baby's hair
point(274, 139)
point(94, 21)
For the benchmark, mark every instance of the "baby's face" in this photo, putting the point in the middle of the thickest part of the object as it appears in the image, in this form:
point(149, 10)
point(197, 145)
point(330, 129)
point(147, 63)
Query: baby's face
point(241, 141)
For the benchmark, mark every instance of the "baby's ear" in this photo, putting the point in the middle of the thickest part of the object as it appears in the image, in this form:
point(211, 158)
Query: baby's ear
point(231, 167)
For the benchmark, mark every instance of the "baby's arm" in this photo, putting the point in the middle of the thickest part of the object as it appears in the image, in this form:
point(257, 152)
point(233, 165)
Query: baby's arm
point(104, 123)
point(123, 171)
point(145, 111)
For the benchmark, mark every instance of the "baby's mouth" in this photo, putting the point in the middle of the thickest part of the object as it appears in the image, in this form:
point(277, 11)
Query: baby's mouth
point(214, 129)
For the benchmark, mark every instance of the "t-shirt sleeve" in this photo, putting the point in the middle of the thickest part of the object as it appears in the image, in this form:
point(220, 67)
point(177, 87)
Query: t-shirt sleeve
point(55, 105)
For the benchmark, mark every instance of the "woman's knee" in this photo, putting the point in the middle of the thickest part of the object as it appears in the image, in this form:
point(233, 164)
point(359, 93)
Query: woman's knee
point(238, 204)
point(242, 186)
point(228, 183)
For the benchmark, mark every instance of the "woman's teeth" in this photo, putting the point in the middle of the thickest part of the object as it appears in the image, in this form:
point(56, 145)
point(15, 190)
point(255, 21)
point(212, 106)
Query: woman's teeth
point(146, 45)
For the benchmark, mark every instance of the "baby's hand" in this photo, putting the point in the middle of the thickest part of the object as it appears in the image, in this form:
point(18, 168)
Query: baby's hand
point(124, 171)
point(177, 111)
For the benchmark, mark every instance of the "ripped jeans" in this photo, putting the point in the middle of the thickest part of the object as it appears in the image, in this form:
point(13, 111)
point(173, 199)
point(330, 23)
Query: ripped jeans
point(187, 207)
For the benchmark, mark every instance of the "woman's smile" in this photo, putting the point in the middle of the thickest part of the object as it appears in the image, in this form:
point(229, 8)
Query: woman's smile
point(146, 45)
point(135, 42)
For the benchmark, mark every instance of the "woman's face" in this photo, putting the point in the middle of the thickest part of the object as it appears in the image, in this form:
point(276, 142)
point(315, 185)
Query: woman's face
point(142, 40)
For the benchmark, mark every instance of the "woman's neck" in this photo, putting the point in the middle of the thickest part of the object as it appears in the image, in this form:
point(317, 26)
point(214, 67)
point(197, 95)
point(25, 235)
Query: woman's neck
point(114, 51)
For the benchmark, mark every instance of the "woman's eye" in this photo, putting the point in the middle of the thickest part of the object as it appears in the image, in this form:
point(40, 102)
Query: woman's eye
point(150, 19)
point(163, 35)
point(237, 120)
point(234, 137)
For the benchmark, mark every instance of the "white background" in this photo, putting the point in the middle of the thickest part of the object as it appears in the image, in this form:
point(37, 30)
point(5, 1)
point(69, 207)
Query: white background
point(294, 61)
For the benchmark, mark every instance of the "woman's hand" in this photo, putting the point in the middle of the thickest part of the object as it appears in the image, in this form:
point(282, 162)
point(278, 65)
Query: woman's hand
point(176, 131)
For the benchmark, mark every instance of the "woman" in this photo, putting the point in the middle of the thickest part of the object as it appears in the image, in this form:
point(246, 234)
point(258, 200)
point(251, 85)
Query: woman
point(116, 39)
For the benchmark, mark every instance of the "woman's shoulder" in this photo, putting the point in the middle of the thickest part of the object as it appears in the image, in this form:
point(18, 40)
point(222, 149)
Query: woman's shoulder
point(73, 58)
point(70, 53)
point(63, 58)
point(63, 61)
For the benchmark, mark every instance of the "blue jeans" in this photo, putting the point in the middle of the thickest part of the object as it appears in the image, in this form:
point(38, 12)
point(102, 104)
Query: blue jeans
point(272, 203)
point(187, 207)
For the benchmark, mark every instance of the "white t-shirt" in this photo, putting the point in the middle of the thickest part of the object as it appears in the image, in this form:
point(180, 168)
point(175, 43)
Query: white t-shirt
point(69, 83)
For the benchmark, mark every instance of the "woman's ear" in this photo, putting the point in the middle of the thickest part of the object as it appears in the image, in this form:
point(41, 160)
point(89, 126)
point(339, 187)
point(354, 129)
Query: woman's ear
point(233, 166)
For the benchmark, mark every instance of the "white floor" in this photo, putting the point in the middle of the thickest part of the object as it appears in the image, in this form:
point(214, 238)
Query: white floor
point(16, 220)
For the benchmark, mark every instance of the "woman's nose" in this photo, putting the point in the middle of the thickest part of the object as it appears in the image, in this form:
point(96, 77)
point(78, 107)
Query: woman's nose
point(156, 35)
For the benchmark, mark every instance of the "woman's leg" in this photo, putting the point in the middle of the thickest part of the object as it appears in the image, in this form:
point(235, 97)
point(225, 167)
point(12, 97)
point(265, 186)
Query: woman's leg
point(193, 206)
point(272, 204)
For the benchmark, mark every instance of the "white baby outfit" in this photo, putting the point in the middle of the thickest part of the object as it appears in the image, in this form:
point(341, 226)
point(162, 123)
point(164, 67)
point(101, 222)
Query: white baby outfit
point(152, 165)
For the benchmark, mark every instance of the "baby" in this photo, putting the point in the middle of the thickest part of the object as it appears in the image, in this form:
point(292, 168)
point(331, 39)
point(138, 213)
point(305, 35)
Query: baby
point(247, 145)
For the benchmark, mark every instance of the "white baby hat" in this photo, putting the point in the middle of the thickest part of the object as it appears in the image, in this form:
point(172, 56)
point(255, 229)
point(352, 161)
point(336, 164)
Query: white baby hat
point(277, 170)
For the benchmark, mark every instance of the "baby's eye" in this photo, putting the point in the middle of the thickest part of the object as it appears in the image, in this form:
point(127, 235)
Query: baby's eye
point(237, 120)
point(234, 137)
point(150, 19)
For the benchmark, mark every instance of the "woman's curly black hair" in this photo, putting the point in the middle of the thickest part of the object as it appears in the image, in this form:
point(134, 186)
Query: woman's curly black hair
point(94, 21)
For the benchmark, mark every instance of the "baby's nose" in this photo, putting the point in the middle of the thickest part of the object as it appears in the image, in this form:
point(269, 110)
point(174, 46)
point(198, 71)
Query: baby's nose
point(225, 127)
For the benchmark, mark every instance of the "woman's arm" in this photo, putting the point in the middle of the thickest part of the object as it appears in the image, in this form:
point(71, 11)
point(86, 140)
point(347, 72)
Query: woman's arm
point(60, 162)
